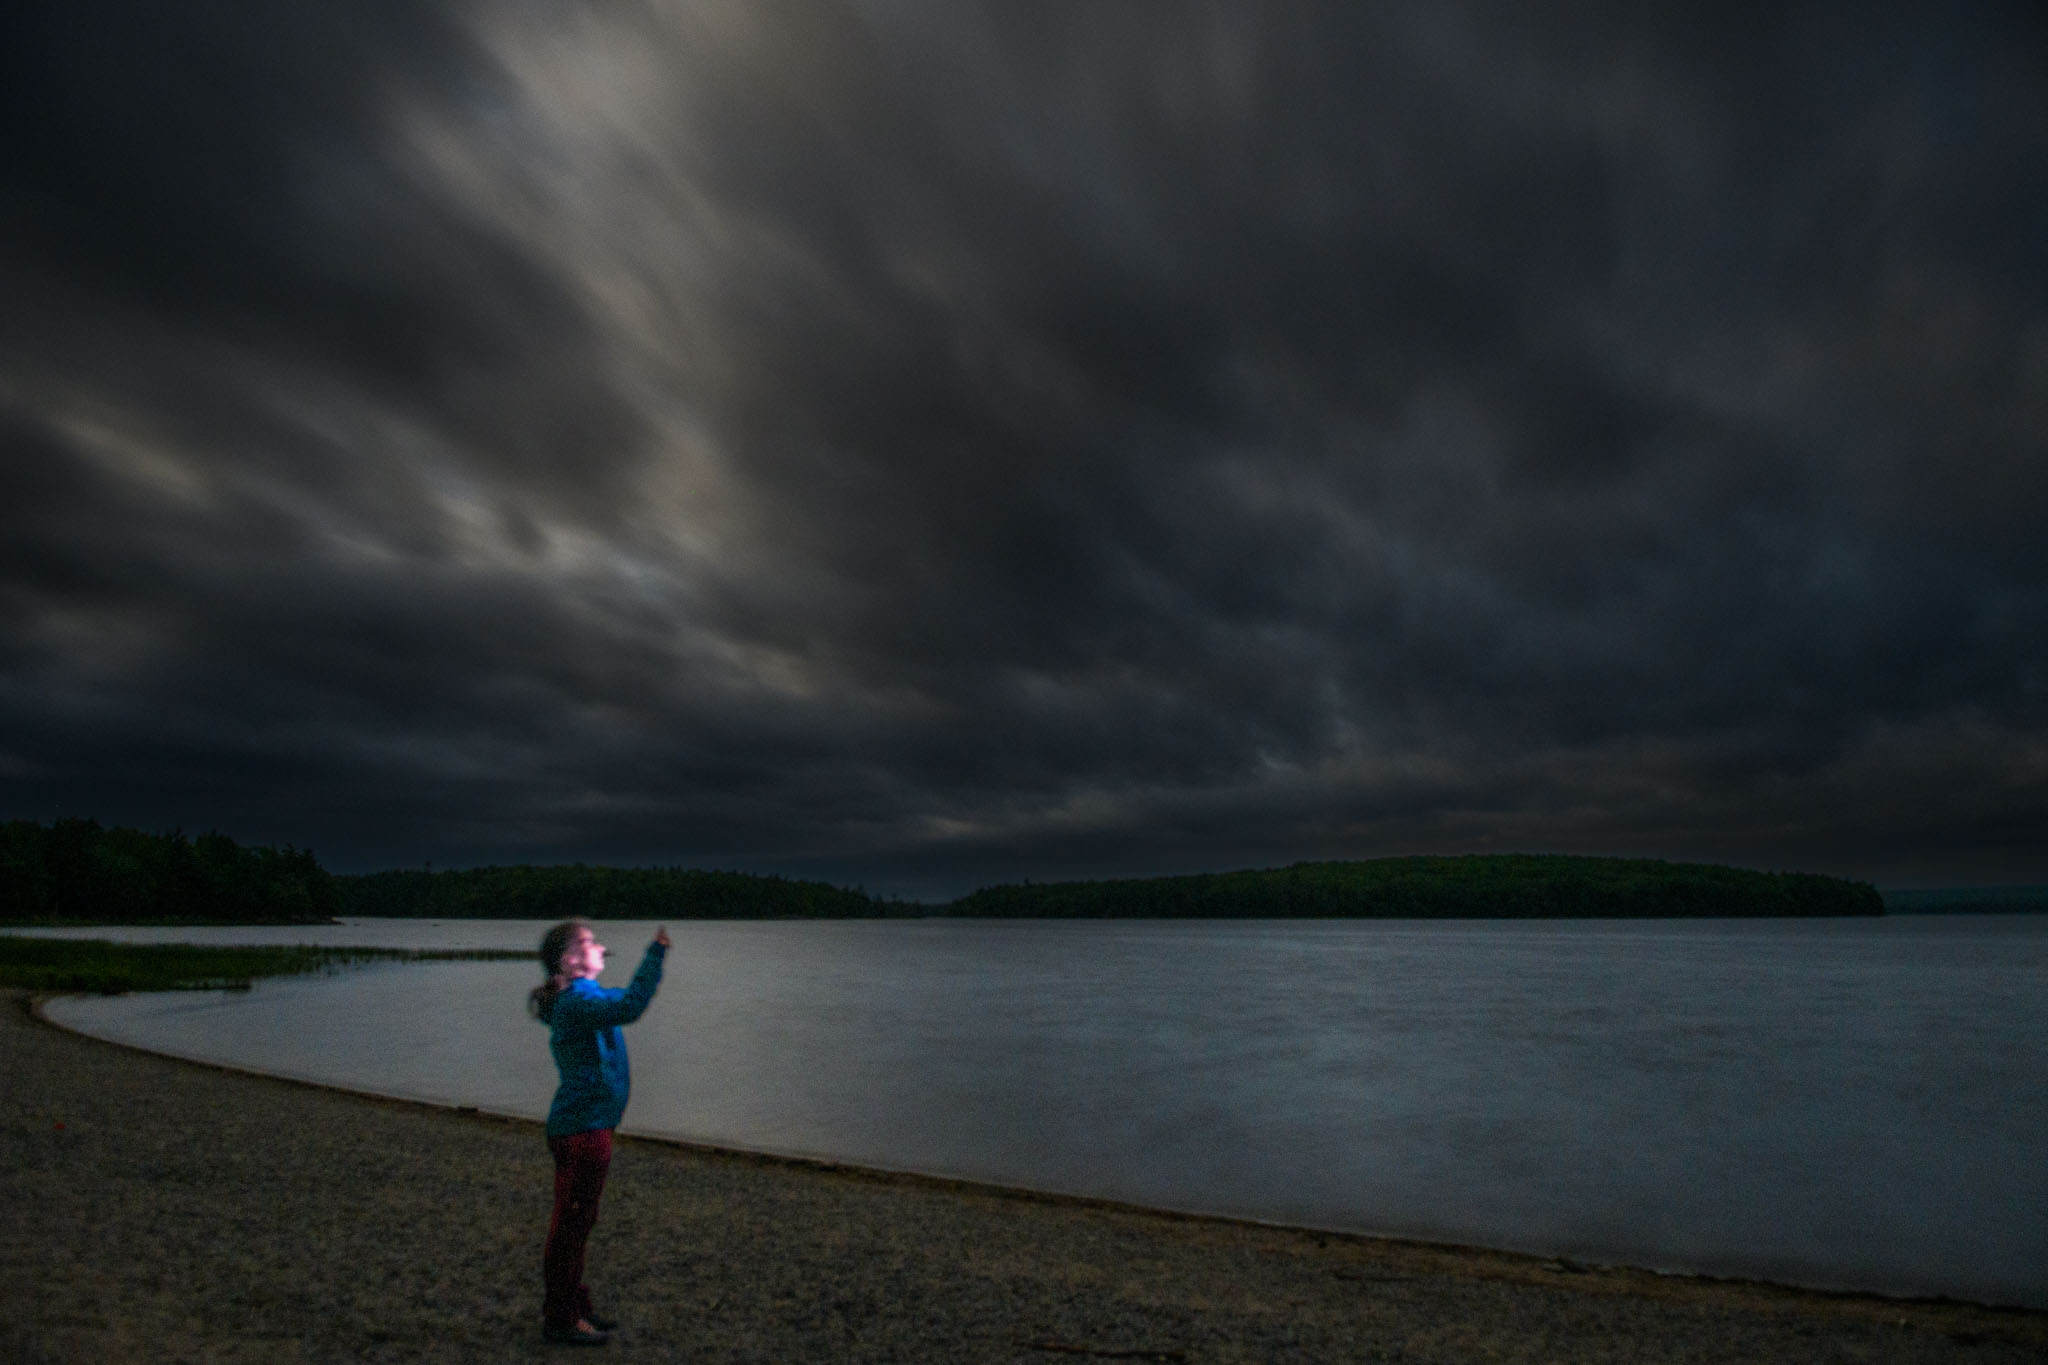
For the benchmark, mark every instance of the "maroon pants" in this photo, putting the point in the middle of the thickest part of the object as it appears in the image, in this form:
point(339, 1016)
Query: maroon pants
point(581, 1160)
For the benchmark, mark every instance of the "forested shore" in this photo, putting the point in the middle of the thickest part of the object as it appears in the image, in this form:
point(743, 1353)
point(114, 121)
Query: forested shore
point(75, 871)
point(1474, 886)
point(528, 892)
point(79, 872)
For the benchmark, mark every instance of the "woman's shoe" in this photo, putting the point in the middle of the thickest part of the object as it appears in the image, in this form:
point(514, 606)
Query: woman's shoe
point(600, 1323)
point(572, 1336)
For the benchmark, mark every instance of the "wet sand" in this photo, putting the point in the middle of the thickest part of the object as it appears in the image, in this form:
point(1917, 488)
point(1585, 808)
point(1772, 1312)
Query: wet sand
point(159, 1210)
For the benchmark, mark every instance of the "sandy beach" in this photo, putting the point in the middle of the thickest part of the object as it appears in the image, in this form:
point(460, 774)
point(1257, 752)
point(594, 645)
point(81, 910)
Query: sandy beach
point(159, 1210)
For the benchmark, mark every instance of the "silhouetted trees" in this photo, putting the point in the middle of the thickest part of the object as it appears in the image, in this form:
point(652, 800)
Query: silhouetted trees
point(75, 870)
point(676, 893)
point(1478, 886)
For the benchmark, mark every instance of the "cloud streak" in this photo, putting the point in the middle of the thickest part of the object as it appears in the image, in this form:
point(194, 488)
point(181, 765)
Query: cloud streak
point(923, 447)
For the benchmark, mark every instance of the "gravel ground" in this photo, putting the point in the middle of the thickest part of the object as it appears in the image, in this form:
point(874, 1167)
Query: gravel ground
point(158, 1210)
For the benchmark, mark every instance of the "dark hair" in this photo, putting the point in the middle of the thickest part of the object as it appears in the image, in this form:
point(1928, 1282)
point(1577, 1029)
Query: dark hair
point(541, 1002)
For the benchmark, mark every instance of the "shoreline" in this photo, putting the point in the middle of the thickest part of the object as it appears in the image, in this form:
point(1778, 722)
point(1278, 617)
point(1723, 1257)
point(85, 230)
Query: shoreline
point(1577, 1259)
point(910, 1266)
point(886, 1175)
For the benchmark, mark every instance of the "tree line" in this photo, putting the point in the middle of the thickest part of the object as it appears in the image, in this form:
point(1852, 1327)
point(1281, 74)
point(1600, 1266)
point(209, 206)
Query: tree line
point(74, 870)
point(528, 892)
point(1474, 886)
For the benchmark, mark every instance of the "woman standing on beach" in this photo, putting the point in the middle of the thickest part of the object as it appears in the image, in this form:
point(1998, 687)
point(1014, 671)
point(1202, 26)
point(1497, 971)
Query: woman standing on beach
point(590, 1052)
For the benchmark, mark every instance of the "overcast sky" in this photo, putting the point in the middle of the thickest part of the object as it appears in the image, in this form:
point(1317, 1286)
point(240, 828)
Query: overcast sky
point(929, 444)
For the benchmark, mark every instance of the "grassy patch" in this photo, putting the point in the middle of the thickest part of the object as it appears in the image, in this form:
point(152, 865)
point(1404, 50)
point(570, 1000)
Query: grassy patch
point(48, 964)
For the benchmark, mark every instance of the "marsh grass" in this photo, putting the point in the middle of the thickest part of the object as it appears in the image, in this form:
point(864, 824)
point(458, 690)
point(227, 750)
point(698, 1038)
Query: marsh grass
point(44, 964)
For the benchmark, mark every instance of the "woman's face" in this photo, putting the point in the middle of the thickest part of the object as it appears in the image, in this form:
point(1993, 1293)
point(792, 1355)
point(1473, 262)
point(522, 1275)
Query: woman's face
point(584, 956)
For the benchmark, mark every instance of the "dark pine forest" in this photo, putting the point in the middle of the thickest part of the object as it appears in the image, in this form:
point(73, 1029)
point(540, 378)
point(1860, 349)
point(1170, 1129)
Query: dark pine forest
point(76, 871)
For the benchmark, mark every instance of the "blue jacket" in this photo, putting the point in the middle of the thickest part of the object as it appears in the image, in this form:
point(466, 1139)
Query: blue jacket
point(590, 1051)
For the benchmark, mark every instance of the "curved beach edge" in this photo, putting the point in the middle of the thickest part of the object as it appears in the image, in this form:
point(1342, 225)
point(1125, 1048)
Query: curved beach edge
point(765, 1237)
point(1507, 1259)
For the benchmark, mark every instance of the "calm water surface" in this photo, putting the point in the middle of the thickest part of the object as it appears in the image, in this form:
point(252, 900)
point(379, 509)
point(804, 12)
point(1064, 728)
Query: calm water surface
point(1847, 1103)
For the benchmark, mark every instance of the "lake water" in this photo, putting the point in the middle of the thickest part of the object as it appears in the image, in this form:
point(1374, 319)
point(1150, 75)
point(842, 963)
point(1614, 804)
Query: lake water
point(1847, 1103)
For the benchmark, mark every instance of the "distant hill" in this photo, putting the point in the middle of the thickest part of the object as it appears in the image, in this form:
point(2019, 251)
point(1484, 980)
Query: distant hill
point(677, 893)
point(1969, 900)
point(76, 871)
point(79, 872)
point(1478, 886)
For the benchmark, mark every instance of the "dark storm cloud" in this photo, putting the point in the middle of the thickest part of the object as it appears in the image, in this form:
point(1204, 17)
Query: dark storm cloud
point(928, 444)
